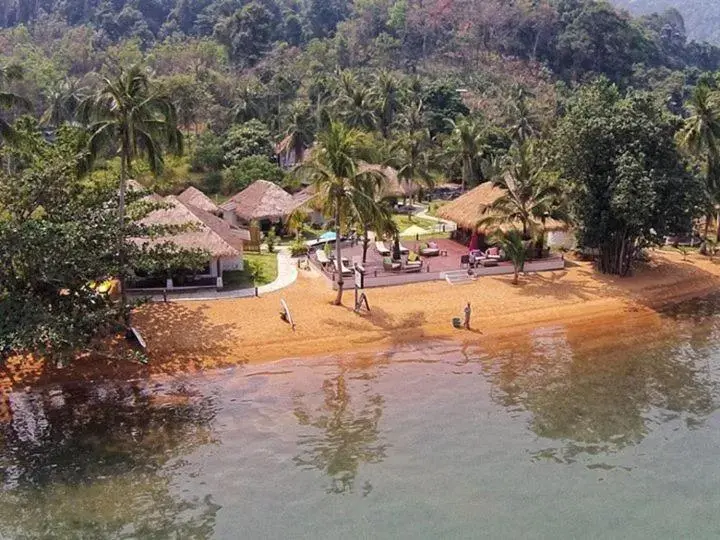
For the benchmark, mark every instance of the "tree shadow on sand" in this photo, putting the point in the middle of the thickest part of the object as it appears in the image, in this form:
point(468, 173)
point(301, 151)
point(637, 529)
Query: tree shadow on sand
point(395, 330)
point(179, 337)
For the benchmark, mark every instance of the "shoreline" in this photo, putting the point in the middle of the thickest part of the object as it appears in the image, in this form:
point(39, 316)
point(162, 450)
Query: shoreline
point(192, 337)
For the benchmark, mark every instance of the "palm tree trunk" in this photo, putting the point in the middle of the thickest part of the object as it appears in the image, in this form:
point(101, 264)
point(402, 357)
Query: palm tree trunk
point(124, 168)
point(366, 242)
point(516, 277)
point(338, 254)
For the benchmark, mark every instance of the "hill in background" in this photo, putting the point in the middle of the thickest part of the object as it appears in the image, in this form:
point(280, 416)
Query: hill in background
point(702, 17)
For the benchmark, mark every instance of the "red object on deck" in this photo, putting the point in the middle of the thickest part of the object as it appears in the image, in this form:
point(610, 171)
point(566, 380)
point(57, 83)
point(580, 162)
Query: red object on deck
point(474, 242)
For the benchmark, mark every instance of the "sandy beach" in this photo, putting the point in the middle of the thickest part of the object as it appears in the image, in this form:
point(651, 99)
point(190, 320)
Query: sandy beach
point(186, 337)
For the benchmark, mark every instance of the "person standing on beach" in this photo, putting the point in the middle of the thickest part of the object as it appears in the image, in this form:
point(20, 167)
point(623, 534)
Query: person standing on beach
point(468, 312)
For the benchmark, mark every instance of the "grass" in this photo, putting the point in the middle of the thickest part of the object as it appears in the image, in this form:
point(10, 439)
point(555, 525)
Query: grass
point(403, 222)
point(265, 264)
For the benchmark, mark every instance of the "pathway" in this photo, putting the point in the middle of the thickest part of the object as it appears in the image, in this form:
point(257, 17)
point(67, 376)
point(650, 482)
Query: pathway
point(449, 225)
point(287, 274)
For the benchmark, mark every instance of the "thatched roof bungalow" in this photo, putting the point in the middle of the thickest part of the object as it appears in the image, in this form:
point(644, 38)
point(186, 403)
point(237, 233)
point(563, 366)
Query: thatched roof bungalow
point(205, 231)
point(262, 201)
point(467, 210)
point(196, 198)
point(394, 185)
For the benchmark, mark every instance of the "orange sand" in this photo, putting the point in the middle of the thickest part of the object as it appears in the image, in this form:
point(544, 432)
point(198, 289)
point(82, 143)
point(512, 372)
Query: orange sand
point(191, 336)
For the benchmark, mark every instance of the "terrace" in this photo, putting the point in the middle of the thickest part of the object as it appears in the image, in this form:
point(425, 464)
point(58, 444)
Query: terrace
point(449, 263)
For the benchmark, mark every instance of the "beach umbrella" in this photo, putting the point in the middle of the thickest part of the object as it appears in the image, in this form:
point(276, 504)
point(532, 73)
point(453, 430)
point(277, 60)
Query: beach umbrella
point(474, 241)
point(415, 230)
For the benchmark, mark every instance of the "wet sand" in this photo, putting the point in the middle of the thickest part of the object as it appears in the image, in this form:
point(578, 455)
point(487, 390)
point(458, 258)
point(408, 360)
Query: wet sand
point(186, 337)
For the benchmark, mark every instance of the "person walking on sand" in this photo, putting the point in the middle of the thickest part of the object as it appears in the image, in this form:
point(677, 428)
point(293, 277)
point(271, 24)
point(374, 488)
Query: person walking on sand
point(468, 312)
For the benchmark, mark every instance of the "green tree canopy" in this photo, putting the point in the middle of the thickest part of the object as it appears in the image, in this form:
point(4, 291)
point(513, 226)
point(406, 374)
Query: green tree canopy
point(629, 186)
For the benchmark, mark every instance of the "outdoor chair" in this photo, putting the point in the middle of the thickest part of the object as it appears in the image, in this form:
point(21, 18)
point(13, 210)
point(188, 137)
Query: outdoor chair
point(430, 250)
point(382, 249)
point(390, 266)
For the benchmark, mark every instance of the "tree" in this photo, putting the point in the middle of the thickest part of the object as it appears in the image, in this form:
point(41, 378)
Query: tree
point(529, 196)
point(467, 147)
point(354, 105)
point(385, 92)
point(700, 136)
point(63, 101)
point(411, 154)
point(126, 116)
point(249, 139)
point(628, 185)
point(515, 247)
point(341, 184)
point(9, 100)
point(300, 129)
point(248, 170)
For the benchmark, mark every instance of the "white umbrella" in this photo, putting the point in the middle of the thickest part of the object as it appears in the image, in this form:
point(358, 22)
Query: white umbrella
point(414, 230)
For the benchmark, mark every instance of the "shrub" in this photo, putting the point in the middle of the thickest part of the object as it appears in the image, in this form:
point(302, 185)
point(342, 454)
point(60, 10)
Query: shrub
point(298, 248)
point(270, 240)
point(208, 153)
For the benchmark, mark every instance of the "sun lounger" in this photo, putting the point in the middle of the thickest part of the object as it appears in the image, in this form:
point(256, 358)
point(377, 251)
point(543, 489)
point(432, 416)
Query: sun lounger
point(322, 258)
point(404, 250)
point(410, 267)
point(430, 250)
point(382, 249)
point(390, 266)
point(346, 271)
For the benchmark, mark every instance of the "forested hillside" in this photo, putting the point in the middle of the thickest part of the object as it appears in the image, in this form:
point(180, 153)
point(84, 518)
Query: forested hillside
point(702, 17)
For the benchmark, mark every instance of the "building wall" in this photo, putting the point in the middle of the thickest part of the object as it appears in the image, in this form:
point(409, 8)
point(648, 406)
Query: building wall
point(231, 263)
point(561, 239)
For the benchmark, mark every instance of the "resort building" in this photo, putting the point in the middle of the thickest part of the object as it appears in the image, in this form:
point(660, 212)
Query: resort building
point(263, 202)
point(200, 230)
point(469, 209)
point(196, 198)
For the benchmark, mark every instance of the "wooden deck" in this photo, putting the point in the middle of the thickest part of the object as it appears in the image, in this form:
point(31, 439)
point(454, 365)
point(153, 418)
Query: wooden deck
point(434, 268)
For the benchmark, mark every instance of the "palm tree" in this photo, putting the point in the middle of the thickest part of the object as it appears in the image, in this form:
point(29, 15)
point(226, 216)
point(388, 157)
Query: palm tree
point(300, 129)
point(343, 187)
point(529, 196)
point(467, 146)
point(8, 100)
point(411, 153)
point(385, 92)
point(354, 105)
point(63, 101)
point(701, 137)
point(522, 118)
point(127, 117)
point(515, 248)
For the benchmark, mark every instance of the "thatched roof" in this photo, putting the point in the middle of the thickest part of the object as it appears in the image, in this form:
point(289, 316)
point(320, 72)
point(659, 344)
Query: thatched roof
point(206, 231)
point(194, 197)
point(261, 200)
point(467, 210)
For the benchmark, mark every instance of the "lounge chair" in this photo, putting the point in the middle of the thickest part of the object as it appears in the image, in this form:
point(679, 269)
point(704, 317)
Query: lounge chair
point(404, 250)
point(390, 266)
point(413, 264)
point(430, 250)
point(382, 249)
point(346, 271)
point(322, 258)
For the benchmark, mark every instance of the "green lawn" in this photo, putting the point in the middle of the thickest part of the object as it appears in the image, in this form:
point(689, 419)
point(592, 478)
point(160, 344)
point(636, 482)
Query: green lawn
point(242, 279)
point(403, 222)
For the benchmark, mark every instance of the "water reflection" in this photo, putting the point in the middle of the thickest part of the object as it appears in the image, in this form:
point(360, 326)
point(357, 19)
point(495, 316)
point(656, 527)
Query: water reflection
point(91, 461)
point(598, 403)
point(345, 430)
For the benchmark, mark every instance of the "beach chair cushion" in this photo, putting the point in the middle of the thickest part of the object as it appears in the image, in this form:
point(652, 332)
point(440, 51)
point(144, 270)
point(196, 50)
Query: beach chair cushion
point(412, 257)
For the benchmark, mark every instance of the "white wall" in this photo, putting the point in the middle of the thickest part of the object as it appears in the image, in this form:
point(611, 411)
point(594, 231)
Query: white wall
point(231, 263)
point(561, 239)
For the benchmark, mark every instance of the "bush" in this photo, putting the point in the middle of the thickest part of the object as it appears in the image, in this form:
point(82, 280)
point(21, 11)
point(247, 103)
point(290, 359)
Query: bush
point(248, 170)
point(208, 153)
point(212, 182)
point(249, 139)
point(298, 248)
point(270, 240)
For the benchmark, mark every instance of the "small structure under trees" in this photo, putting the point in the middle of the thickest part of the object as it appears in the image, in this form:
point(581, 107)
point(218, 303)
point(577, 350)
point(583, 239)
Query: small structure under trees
point(262, 201)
